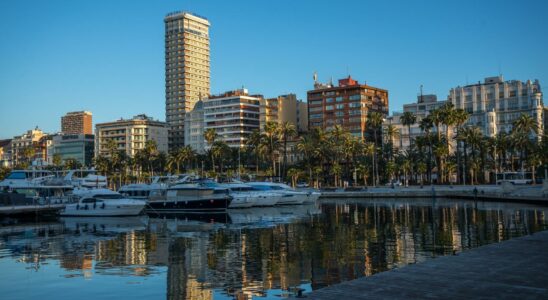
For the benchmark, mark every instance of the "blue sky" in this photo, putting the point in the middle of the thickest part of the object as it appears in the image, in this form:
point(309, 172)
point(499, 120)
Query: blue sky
point(108, 56)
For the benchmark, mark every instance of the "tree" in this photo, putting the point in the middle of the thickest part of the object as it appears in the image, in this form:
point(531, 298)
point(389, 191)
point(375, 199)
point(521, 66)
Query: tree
point(271, 143)
point(408, 119)
point(460, 117)
point(286, 131)
point(210, 135)
point(57, 160)
point(294, 173)
point(185, 155)
point(375, 121)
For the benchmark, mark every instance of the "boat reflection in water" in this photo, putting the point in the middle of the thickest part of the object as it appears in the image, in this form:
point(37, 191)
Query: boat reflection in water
point(268, 252)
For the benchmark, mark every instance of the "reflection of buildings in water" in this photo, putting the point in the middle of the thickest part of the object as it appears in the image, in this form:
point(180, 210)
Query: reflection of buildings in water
point(181, 283)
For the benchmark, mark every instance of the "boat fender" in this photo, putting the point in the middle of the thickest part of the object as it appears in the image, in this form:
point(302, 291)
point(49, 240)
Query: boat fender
point(94, 205)
point(77, 206)
point(86, 207)
point(103, 206)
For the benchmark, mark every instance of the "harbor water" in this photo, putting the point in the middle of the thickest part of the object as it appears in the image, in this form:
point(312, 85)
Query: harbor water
point(256, 253)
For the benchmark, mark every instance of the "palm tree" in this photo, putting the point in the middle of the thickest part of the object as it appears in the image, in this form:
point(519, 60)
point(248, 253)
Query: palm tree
point(220, 149)
point(307, 148)
point(210, 135)
point(253, 146)
point(391, 133)
point(526, 124)
point(287, 131)
point(425, 125)
point(28, 153)
point(294, 173)
point(185, 155)
point(408, 119)
point(370, 149)
point(271, 142)
point(460, 117)
point(375, 120)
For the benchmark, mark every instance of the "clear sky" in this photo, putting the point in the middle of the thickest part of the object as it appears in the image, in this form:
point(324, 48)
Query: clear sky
point(108, 56)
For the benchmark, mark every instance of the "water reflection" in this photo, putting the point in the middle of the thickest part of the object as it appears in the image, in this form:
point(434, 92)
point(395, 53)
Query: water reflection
point(250, 253)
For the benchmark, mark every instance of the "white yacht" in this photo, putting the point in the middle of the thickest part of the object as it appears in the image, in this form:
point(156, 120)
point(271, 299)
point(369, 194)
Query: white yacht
point(287, 194)
point(246, 196)
point(103, 202)
point(86, 179)
point(26, 178)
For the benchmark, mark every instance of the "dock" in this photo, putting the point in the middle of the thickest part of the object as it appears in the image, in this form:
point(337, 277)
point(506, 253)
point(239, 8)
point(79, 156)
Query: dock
point(518, 194)
point(13, 210)
point(512, 269)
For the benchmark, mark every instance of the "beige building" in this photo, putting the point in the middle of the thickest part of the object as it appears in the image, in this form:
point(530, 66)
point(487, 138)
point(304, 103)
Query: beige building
point(284, 108)
point(5, 153)
point(77, 122)
point(131, 135)
point(35, 139)
point(187, 65)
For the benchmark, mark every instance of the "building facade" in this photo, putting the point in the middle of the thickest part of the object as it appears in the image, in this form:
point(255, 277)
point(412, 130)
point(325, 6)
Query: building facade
point(187, 65)
point(421, 109)
point(5, 153)
point(30, 147)
point(78, 122)
point(233, 115)
point(285, 108)
point(79, 147)
point(131, 135)
point(194, 128)
point(347, 104)
point(495, 104)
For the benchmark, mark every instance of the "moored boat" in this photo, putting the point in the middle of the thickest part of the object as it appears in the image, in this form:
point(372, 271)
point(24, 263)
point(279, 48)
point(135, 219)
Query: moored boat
point(191, 197)
point(103, 202)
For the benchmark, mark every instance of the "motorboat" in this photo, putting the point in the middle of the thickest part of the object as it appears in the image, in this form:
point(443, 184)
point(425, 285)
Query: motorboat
point(246, 196)
point(86, 179)
point(103, 202)
point(191, 197)
point(156, 188)
point(26, 178)
point(287, 194)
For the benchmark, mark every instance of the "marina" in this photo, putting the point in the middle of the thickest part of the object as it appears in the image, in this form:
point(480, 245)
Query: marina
point(259, 252)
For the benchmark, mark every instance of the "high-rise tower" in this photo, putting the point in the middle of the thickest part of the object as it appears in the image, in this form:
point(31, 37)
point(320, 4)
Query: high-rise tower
point(187, 69)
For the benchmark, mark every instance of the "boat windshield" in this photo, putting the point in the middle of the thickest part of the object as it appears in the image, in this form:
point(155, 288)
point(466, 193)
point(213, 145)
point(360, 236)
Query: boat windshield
point(108, 196)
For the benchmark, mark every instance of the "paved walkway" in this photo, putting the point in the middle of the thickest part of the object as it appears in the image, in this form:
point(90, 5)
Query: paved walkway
point(514, 269)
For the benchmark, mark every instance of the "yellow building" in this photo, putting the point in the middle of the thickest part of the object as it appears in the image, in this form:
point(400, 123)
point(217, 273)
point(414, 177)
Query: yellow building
point(285, 108)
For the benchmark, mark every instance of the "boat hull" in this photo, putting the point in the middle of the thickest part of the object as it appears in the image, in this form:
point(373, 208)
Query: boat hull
point(108, 210)
point(176, 206)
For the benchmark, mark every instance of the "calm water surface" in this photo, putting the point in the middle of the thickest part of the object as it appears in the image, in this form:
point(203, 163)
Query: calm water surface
point(251, 253)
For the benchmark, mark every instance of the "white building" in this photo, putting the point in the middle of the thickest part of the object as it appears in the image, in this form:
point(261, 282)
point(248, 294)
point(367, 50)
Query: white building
point(131, 135)
point(495, 104)
point(421, 109)
point(234, 115)
point(194, 128)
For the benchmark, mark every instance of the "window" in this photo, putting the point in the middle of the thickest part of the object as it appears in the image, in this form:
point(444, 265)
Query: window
point(339, 113)
point(329, 100)
point(339, 99)
point(316, 116)
point(329, 107)
point(340, 106)
point(354, 105)
point(354, 97)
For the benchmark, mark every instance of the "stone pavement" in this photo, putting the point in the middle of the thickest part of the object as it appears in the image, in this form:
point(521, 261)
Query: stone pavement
point(513, 269)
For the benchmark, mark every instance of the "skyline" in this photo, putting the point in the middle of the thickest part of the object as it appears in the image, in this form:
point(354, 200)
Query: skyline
point(111, 61)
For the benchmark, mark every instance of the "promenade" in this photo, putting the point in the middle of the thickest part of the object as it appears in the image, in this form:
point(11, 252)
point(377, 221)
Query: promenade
point(531, 194)
point(513, 269)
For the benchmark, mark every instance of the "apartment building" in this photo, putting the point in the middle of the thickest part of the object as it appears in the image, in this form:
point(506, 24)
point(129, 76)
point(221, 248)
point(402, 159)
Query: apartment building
point(234, 115)
point(5, 153)
point(79, 147)
point(495, 104)
point(194, 128)
point(77, 122)
point(284, 108)
point(187, 67)
point(33, 142)
point(131, 135)
point(347, 104)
